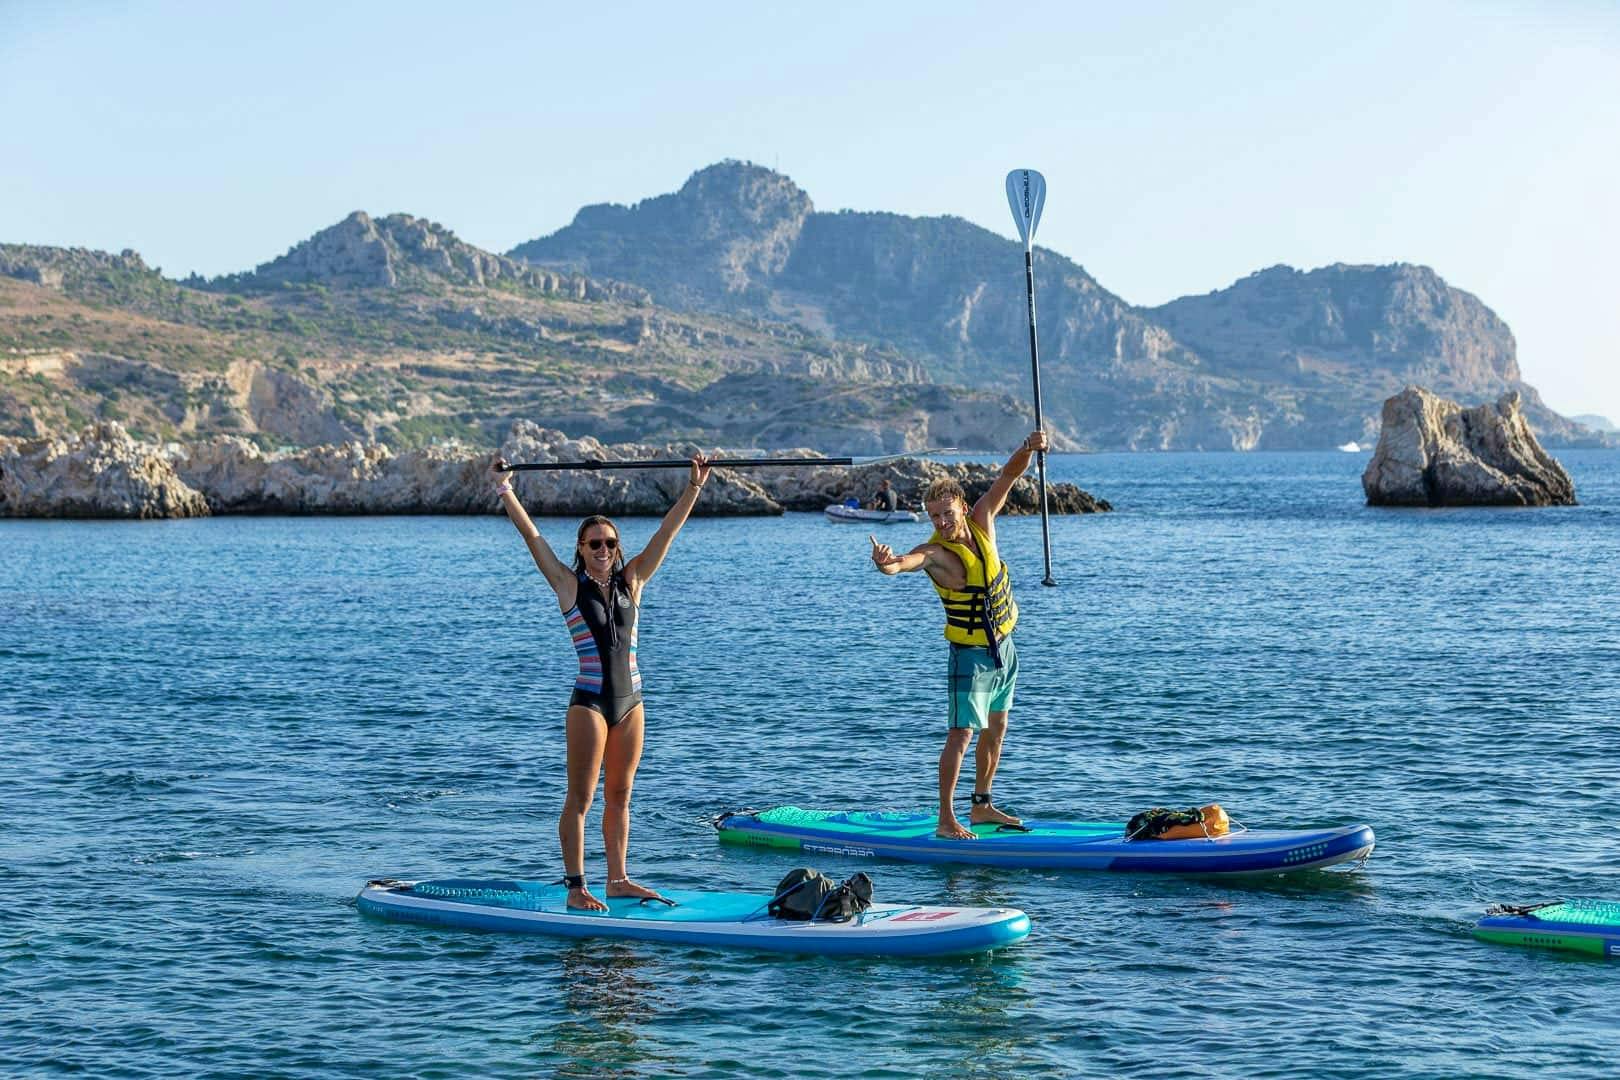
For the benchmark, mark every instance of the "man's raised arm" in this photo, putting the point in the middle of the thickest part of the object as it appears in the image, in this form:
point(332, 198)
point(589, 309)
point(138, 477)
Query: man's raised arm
point(991, 502)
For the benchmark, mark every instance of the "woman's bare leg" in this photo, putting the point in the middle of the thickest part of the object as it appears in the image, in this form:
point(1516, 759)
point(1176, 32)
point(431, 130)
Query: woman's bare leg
point(619, 768)
point(587, 736)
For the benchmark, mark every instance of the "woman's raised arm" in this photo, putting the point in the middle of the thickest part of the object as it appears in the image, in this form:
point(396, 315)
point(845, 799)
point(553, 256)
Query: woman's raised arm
point(639, 570)
point(562, 580)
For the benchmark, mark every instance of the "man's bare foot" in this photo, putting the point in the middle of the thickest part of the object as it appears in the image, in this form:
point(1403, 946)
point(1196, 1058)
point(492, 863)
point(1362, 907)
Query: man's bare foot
point(985, 814)
point(626, 887)
point(951, 829)
point(580, 899)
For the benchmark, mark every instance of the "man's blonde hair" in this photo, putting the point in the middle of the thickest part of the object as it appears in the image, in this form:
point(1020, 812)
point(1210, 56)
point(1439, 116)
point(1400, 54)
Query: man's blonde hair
point(944, 488)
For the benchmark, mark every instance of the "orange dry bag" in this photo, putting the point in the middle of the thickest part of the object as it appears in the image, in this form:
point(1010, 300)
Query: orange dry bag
point(1212, 821)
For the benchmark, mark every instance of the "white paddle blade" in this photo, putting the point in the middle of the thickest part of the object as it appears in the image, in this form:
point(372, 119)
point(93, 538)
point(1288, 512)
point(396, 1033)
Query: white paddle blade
point(1026, 194)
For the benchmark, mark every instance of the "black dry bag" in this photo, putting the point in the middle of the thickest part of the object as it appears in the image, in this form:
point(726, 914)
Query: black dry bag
point(807, 895)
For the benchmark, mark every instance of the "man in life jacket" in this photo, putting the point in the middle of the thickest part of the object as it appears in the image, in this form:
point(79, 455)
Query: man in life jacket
point(974, 586)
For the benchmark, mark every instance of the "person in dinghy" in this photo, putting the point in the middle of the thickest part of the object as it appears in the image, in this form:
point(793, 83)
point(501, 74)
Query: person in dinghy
point(600, 599)
point(973, 583)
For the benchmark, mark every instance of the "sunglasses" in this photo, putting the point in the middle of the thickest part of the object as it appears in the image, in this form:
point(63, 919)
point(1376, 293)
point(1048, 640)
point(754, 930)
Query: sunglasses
point(597, 543)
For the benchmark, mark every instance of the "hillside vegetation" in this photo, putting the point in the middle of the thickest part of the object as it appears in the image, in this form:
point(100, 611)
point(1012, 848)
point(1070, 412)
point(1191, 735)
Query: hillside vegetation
point(728, 312)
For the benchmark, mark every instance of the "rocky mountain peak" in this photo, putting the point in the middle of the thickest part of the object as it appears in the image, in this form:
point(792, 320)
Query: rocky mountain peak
point(1402, 318)
point(56, 268)
point(365, 252)
point(729, 230)
point(750, 191)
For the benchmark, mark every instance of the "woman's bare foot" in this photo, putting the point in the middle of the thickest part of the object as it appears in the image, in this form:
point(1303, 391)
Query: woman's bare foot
point(580, 899)
point(985, 814)
point(626, 887)
point(951, 829)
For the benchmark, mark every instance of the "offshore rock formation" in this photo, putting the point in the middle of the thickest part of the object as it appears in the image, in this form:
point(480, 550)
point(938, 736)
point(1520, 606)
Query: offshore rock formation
point(1434, 452)
point(100, 473)
point(105, 473)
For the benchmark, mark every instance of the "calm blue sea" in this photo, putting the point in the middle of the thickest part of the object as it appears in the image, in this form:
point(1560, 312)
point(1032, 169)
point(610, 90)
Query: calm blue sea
point(212, 732)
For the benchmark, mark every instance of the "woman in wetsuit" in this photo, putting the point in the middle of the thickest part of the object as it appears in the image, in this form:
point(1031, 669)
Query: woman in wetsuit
point(600, 598)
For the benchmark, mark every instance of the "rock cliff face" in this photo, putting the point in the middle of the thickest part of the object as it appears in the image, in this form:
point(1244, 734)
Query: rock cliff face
point(738, 238)
point(1281, 360)
point(55, 268)
point(397, 250)
point(714, 244)
point(1595, 422)
point(104, 473)
point(101, 473)
point(1433, 452)
point(1398, 321)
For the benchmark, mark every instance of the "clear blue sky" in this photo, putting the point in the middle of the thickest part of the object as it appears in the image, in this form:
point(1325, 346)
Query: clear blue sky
point(1185, 145)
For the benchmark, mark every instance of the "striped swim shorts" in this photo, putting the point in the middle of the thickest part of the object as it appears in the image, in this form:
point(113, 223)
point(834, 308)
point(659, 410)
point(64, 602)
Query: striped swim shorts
point(978, 687)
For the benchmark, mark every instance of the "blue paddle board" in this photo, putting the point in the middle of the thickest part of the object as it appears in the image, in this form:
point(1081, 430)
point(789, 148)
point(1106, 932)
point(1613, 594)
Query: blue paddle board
point(1048, 845)
point(720, 919)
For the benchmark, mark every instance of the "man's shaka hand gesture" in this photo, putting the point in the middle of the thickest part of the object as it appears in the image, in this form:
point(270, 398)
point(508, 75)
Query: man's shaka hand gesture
point(882, 555)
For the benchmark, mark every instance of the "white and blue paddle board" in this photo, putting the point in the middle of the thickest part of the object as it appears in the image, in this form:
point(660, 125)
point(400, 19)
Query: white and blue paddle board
point(1047, 845)
point(719, 919)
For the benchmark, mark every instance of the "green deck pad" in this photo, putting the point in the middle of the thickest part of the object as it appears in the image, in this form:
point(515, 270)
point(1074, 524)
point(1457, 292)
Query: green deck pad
point(1597, 913)
point(917, 824)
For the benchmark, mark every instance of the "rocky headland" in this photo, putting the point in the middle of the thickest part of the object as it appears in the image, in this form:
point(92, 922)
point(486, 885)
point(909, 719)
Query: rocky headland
point(1281, 359)
point(1433, 452)
point(730, 313)
point(103, 472)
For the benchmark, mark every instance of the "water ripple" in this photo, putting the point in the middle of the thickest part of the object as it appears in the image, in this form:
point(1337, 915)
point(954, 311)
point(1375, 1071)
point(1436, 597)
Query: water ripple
point(215, 731)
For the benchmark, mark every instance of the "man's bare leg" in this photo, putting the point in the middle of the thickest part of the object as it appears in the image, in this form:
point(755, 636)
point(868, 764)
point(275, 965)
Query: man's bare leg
point(986, 756)
point(950, 768)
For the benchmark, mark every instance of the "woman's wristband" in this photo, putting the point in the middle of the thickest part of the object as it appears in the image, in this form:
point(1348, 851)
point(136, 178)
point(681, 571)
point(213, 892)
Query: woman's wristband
point(503, 489)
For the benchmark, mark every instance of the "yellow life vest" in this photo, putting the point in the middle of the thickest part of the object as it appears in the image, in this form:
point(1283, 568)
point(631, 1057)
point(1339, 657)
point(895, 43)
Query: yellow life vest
point(985, 601)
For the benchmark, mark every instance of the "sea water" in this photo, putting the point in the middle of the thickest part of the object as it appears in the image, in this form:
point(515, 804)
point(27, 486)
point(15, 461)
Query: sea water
point(213, 732)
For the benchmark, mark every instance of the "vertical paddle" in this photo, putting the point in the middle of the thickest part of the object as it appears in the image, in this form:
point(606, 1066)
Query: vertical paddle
point(1026, 194)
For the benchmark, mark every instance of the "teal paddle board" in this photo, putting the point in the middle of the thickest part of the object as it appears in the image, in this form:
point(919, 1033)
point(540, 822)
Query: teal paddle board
point(720, 919)
point(1046, 845)
point(1587, 926)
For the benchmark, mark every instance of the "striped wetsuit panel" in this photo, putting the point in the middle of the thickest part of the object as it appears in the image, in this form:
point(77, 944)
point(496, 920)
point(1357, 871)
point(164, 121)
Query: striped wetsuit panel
point(604, 633)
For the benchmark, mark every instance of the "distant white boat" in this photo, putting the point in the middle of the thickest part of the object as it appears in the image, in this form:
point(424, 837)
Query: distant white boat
point(838, 512)
point(1351, 448)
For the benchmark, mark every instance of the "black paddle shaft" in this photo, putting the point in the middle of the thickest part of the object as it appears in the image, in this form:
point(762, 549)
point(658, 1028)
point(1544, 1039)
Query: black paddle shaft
point(1035, 372)
point(675, 463)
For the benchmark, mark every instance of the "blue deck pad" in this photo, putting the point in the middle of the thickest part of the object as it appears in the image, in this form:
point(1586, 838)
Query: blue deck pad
point(1053, 845)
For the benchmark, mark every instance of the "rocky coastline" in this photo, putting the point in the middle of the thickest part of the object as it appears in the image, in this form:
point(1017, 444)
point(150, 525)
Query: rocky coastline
point(103, 472)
